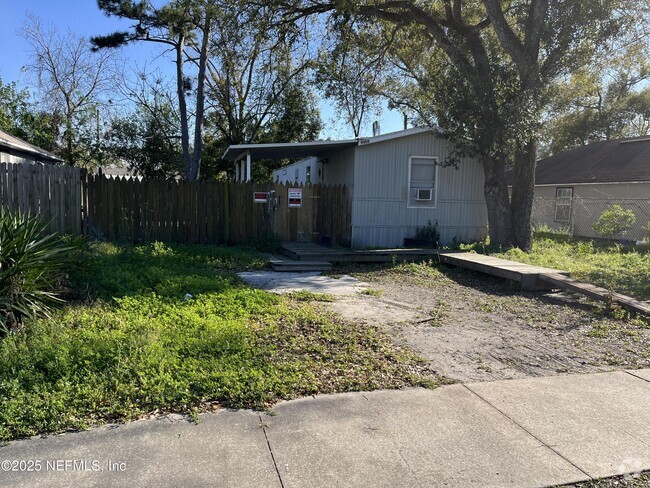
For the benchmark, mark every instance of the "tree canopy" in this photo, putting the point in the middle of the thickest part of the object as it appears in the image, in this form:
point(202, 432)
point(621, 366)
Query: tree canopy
point(481, 69)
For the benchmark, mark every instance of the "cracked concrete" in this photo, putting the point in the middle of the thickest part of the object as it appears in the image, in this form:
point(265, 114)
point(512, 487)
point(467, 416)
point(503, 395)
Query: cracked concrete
point(525, 433)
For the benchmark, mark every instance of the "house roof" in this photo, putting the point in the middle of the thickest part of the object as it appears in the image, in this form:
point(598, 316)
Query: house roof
point(286, 149)
point(620, 160)
point(295, 150)
point(15, 144)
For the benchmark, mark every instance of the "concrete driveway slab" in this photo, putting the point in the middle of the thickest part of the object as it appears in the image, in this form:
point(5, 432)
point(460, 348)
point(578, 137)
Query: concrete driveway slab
point(600, 422)
point(414, 438)
point(227, 449)
point(311, 281)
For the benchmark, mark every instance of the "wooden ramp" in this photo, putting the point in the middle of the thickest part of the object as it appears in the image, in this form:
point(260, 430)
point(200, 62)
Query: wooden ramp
point(528, 276)
point(538, 278)
point(595, 292)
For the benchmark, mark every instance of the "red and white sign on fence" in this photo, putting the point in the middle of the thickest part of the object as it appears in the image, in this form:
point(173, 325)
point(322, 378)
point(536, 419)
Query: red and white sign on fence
point(294, 196)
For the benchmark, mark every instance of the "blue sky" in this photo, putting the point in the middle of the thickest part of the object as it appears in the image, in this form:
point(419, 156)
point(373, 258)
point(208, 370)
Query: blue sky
point(84, 18)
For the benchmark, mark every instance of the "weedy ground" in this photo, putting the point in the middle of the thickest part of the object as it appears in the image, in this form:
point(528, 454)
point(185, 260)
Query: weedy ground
point(162, 328)
point(641, 480)
point(474, 327)
point(624, 269)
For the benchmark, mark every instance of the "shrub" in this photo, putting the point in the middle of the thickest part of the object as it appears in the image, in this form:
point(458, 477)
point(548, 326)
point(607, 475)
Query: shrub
point(614, 222)
point(646, 231)
point(32, 264)
point(428, 233)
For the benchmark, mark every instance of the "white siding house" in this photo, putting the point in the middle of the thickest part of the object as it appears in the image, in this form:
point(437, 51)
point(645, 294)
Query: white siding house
point(398, 184)
point(15, 150)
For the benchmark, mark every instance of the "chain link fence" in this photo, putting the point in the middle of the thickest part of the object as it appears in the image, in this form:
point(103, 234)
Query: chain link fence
point(576, 216)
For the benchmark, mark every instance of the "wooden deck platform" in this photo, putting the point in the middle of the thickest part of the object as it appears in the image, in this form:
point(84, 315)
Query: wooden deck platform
point(313, 252)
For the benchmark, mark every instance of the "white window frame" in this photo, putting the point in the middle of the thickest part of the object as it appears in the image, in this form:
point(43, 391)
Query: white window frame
point(434, 202)
point(563, 202)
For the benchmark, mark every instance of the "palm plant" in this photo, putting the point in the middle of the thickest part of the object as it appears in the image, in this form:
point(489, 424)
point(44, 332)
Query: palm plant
point(32, 263)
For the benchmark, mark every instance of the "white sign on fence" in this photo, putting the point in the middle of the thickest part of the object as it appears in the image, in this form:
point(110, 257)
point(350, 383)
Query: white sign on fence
point(294, 197)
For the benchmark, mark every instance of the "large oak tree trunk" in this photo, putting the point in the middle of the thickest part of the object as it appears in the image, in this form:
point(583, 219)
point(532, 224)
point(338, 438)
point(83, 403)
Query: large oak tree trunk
point(497, 202)
point(523, 191)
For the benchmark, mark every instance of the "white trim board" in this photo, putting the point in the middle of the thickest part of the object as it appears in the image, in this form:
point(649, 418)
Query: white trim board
point(435, 185)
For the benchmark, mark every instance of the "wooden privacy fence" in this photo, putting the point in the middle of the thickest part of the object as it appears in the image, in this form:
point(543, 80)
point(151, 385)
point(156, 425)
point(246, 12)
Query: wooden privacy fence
point(53, 192)
point(206, 212)
point(212, 212)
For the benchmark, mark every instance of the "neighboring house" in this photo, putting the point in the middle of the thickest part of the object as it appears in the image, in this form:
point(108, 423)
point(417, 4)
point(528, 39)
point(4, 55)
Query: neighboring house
point(112, 171)
point(572, 189)
point(15, 150)
point(396, 183)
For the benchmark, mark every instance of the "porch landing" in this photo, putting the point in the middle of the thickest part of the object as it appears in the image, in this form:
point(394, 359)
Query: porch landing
point(307, 251)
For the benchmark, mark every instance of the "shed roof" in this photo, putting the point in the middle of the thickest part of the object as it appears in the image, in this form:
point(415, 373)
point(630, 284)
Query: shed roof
point(16, 144)
point(296, 150)
point(620, 160)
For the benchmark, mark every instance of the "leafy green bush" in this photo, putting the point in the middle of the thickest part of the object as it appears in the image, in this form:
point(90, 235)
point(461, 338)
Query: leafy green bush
point(646, 231)
point(614, 222)
point(32, 264)
point(428, 233)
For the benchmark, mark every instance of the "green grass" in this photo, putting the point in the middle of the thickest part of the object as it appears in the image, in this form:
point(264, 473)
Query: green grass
point(371, 292)
point(159, 328)
point(612, 266)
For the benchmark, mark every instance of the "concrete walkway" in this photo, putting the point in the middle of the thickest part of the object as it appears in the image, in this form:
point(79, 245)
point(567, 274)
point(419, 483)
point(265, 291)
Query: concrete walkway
point(310, 281)
point(519, 433)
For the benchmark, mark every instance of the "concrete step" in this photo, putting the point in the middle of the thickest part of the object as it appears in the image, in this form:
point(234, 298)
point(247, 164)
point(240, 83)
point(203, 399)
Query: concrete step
point(280, 263)
point(295, 266)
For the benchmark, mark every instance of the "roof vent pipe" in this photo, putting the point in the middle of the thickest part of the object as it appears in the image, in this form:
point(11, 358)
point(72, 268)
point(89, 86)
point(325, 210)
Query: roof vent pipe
point(375, 129)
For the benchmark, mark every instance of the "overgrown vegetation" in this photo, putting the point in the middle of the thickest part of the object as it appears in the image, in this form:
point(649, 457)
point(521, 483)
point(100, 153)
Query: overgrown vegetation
point(33, 263)
point(428, 233)
point(172, 328)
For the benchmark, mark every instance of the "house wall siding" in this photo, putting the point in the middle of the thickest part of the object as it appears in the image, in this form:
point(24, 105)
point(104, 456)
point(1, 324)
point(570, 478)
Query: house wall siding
point(380, 216)
point(287, 174)
point(339, 168)
point(10, 158)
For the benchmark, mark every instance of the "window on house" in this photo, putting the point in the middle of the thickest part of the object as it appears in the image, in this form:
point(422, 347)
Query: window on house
point(308, 176)
point(423, 172)
point(563, 200)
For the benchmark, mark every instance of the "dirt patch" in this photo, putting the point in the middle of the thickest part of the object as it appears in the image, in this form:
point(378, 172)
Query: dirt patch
point(472, 327)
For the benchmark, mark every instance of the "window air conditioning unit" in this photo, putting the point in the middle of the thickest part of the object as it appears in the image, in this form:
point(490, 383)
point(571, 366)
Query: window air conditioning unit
point(424, 194)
